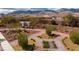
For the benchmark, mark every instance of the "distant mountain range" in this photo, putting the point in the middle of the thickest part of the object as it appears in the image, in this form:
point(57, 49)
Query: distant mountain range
point(32, 11)
point(36, 10)
point(68, 10)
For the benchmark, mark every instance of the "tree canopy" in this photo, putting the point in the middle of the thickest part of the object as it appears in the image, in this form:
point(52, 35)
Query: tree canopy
point(69, 20)
point(23, 42)
point(49, 28)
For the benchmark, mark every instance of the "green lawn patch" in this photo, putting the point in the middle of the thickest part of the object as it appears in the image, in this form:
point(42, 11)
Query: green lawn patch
point(46, 44)
point(74, 36)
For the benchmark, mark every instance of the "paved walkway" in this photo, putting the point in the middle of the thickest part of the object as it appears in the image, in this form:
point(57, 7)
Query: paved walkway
point(39, 42)
point(57, 40)
point(5, 44)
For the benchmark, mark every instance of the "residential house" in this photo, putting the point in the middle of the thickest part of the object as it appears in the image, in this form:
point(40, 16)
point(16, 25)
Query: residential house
point(25, 24)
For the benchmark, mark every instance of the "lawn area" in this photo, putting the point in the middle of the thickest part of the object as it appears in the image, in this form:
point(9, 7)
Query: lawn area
point(74, 36)
point(46, 44)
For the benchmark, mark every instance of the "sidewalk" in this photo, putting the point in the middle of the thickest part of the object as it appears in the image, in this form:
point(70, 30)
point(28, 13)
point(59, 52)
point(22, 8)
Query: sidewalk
point(5, 44)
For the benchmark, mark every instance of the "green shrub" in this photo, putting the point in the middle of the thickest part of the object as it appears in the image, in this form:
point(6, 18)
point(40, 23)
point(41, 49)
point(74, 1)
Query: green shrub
point(49, 29)
point(23, 42)
point(46, 44)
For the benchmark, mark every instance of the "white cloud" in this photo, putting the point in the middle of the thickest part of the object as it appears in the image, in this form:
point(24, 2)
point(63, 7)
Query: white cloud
point(5, 11)
point(39, 3)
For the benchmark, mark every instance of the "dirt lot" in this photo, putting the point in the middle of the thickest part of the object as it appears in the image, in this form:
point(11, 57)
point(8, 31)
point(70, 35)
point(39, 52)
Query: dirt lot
point(66, 29)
